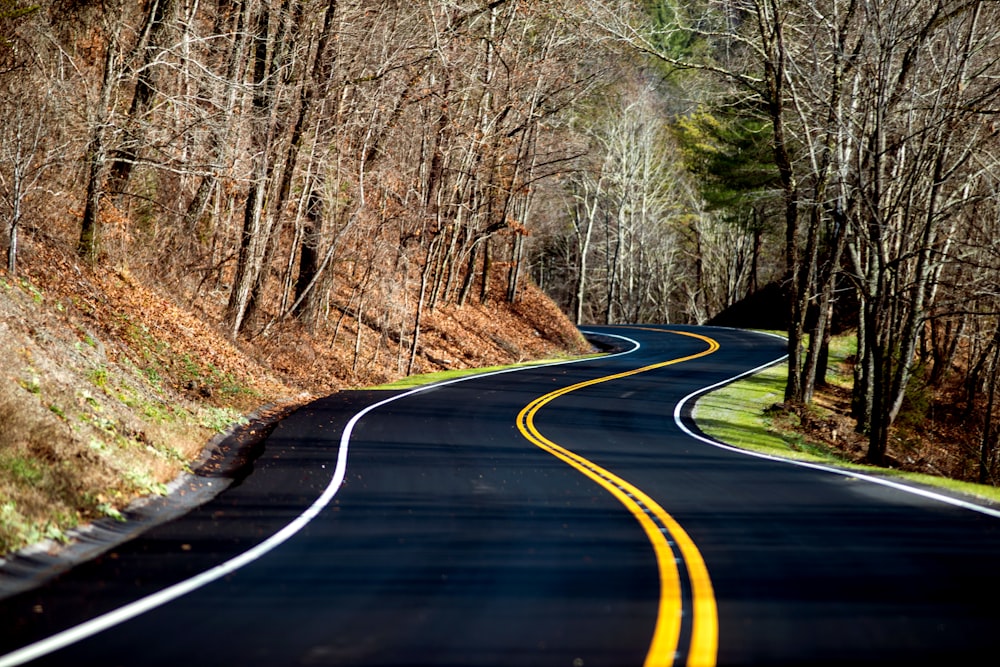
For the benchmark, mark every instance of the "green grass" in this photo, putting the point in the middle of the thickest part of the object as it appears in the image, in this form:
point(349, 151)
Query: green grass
point(413, 381)
point(99, 377)
point(15, 528)
point(737, 414)
point(841, 348)
point(21, 468)
point(220, 419)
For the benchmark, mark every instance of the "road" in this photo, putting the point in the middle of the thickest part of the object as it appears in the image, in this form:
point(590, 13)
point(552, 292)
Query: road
point(561, 515)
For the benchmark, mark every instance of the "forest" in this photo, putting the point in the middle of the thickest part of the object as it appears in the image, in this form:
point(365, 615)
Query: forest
point(641, 161)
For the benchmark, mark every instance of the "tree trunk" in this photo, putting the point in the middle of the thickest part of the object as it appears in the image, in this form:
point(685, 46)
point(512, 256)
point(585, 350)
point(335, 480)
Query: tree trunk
point(254, 237)
point(219, 133)
point(421, 300)
point(97, 152)
point(470, 275)
point(484, 291)
point(126, 155)
point(517, 257)
point(987, 444)
point(819, 341)
point(309, 257)
point(12, 235)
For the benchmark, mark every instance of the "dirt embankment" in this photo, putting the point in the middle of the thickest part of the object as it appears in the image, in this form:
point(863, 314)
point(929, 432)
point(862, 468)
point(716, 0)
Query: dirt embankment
point(112, 386)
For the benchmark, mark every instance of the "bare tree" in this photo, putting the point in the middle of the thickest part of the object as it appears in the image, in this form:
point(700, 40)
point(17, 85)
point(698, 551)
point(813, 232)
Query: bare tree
point(924, 82)
point(147, 52)
point(30, 141)
point(29, 149)
point(100, 134)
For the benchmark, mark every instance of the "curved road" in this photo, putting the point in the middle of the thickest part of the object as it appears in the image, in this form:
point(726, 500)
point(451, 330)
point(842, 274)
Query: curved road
point(560, 515)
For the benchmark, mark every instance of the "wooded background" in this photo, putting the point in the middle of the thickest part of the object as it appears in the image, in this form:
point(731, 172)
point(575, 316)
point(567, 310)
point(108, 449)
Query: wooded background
point(657, 161)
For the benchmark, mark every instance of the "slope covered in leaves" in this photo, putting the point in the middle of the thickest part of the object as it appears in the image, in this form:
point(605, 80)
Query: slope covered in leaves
point(112, 385)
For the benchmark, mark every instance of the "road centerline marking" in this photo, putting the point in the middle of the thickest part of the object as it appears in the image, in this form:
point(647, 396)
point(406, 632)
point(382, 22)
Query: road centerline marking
point(662, 530)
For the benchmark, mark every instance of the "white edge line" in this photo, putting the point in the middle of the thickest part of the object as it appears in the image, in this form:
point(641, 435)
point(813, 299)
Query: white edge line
point(127, 612)
point(899, 486)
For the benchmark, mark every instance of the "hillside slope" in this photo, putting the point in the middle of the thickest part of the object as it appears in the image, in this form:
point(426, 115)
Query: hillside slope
point(112, 386)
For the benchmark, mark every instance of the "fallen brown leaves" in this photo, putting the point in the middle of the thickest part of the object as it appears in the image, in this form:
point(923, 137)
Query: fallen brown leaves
point(132, 377)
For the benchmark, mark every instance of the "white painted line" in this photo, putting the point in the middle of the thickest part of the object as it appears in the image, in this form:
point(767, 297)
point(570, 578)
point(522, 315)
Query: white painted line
point(120, 615)
point(899, 486)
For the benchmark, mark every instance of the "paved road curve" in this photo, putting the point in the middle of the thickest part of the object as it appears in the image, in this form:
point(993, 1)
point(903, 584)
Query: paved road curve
point(549, 516)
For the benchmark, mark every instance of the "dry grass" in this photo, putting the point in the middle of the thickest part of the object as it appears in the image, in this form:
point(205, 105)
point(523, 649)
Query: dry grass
point(40, 494)
point(83, 431)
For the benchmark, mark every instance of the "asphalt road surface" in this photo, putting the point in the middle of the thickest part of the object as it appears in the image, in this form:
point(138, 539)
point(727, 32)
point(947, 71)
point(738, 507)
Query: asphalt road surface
point(560, 515)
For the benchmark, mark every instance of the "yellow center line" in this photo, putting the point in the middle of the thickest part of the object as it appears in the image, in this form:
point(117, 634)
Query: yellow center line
point(660, 528)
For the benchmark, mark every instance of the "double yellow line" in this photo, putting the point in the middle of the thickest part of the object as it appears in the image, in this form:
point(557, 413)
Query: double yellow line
point(660, 528)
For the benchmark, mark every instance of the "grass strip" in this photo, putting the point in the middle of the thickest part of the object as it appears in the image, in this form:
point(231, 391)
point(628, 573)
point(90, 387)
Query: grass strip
point(412, 381)
point(737, 414)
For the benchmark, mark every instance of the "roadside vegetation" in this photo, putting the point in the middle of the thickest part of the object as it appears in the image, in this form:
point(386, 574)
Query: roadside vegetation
point(423, 379)
point(110, 392)
point(95, 412)
point(750, 414)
